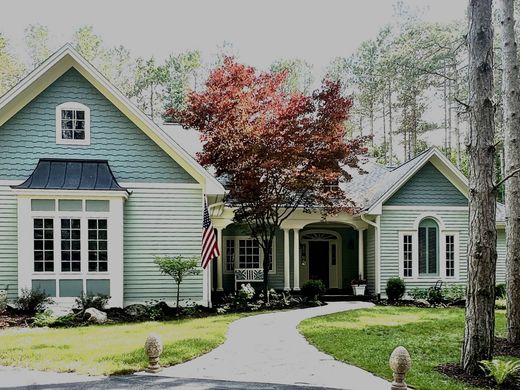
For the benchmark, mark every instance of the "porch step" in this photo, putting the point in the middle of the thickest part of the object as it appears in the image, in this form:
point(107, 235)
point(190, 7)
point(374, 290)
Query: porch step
point(344, 297)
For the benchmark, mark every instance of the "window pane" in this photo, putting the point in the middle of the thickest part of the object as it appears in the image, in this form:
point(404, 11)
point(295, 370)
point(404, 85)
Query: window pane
point(98, 205)
point(42, 204)
point(70, 205)
point(43, 245)
point(79, 134)
point(97, 244)
point(80, 114)
point(422, 251)
point(67, 114)
point(432, 250)
point(66, 134)
point(70, 245)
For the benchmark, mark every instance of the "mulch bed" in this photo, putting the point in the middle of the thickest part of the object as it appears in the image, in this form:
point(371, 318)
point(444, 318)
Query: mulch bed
point(502, 348)
point(13, 318)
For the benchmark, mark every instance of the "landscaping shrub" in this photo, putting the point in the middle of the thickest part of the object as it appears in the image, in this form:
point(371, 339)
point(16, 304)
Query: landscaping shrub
point(3, 300)
point(501, 370)
point(418, 293)
point(33, 301)
point(312, 289)
point(500, 291)
point(178, 268)
point(45, 318)
point(395, 289)
point(453, 294)
point(86, 301)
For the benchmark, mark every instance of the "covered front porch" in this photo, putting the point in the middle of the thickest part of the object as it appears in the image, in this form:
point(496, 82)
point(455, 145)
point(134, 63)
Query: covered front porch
point(305, 248)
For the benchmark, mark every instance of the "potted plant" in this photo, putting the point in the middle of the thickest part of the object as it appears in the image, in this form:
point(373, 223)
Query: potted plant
point(359, 285)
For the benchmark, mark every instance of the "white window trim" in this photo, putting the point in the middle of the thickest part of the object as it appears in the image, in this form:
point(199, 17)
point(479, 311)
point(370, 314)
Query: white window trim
point(442, 257)
point(114, 218)
point(236, 239)
point(72, 106)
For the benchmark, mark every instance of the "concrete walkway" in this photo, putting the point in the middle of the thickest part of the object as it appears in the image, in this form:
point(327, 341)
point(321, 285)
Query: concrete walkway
point(265, 351)
point(268, 348)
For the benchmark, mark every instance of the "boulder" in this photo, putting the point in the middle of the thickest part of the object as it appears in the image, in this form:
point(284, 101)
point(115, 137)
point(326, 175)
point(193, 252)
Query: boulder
point(422, 303)
point(96, 316)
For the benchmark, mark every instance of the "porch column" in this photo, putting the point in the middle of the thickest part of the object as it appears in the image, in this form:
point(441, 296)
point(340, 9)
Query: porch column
point(296, 243)
point(286, 261)
point(219, 260)
point(361, 254)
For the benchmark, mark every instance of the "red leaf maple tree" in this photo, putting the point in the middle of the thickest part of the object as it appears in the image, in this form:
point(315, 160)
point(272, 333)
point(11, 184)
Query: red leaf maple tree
point(275, 149)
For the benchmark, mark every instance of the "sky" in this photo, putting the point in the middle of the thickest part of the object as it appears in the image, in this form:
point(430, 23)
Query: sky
point(261, 31)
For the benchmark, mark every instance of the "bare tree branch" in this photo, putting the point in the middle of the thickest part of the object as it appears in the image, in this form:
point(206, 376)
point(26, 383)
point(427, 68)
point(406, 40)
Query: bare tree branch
point(507, 178)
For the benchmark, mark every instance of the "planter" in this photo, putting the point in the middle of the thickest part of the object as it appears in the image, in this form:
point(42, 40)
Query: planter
point(359, 289)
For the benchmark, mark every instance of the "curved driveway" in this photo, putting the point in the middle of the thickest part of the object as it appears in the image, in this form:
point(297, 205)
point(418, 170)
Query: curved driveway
point(267, 348)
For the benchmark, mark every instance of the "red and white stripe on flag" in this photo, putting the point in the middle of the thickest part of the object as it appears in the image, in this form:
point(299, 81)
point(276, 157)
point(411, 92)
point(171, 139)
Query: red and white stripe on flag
point(210, 248)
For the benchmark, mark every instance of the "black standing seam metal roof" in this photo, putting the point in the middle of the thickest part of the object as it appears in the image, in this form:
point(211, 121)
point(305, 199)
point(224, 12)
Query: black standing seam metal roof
point(71, 174)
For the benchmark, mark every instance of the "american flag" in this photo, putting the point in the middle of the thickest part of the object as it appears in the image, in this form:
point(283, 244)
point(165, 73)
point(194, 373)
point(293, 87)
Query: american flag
point(209, 241)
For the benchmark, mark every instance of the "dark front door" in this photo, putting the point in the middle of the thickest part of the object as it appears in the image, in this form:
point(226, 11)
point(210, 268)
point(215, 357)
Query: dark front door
point(319, 261)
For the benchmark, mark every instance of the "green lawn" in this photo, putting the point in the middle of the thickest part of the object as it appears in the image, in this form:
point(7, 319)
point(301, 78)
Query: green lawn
point(111, 349)
point(366, 338)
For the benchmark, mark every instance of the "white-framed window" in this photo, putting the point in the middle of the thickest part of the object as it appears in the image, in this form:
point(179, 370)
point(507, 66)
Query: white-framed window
point(430, 252)
point(70, 244)
point(407, 243)
point(98, 245)
point(43, 244)
point(72, 124)
point(450, 255)
point(244, 252)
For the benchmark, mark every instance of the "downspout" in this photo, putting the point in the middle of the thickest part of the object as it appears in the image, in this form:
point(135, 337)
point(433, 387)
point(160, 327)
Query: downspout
point(377, 251)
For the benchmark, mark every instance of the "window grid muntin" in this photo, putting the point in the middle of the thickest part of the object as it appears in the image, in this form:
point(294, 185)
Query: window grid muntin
point(70, 244)
point(407, 255)
point(230, 255)
point(97, 245)
point(248, 254)
point(43, 239)
point(73, 124)
point(450, 255)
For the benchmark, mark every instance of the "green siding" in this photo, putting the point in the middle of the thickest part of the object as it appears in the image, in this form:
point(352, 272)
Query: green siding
point(393, 221)
point(501, 259)
point(160, 222)
point(370, 259)
point(8, 242)
point(31, 134)
point(428, 187)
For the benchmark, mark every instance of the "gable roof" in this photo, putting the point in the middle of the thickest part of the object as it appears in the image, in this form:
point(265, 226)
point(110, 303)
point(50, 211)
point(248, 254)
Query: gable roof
point(67, 57)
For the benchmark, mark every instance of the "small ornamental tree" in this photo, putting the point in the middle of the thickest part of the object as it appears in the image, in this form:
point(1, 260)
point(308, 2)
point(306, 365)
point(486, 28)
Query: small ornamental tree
point(275, 148)
point(178, 268)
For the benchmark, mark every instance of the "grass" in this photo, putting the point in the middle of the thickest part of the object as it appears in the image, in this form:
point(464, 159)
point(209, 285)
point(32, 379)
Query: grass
point(111, 349)
point(366, 338)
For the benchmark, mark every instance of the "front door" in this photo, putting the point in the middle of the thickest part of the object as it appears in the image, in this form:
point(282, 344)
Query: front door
point(319, 261)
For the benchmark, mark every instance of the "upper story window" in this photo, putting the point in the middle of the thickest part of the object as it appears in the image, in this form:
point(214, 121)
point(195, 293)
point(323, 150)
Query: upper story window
point(72, 124)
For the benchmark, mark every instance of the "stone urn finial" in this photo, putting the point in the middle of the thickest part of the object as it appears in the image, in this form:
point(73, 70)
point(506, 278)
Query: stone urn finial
point(153, 348)
point(400, 363)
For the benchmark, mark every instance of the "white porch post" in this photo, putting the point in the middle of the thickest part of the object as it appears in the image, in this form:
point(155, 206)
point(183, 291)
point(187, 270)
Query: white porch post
point(219, 260)
point(296, 259)
point(286, 261)
point(361, 254)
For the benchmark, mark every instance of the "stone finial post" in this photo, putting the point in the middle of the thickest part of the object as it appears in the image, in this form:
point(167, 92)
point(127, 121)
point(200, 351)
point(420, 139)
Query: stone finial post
point(153, 348)
point(400, 363)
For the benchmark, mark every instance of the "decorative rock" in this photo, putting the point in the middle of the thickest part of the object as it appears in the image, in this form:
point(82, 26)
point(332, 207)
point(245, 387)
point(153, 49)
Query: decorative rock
point(422, 303)
point(400, 363)
point(153, 348)
point(96, 316)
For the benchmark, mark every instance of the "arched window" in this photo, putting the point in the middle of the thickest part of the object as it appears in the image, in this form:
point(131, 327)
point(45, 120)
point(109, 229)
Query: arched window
point(428, 247)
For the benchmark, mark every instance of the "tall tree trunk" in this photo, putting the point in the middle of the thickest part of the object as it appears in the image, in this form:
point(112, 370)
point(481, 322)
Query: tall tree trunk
point(511, 107)
point(479, 331)
point(390, 141)
point(445, 100)
point(361, 126)
point(450, 101)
